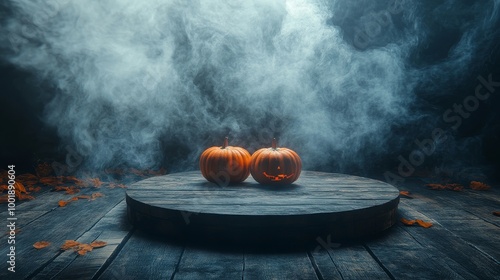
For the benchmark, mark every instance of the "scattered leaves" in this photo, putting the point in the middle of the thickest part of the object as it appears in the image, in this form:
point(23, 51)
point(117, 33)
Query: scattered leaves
point(34, 189)
point(96, 182)
point(496, 213)
point(82, 248)
point(405, 194)
point(27, 179)
point(478, 186)
point(116, 185)
point(4, 198)
point(417, 221)
point(69, 244)
point(96, 195)
point(41, 244)
point(68, 190)
point(52, 181)
point(452, 187)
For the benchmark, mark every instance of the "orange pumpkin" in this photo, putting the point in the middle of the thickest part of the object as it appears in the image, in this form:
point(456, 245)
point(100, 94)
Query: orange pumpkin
point(225, 165)
point(275, 166)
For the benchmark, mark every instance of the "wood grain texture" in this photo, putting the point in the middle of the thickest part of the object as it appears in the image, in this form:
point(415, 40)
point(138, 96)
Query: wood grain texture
point(318, 203)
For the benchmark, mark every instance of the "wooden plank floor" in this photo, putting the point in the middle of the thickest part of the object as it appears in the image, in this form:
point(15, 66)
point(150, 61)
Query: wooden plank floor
point(463, 243)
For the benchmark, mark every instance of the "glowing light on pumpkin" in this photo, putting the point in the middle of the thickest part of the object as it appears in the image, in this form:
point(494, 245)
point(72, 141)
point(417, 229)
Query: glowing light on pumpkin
point(275, 165)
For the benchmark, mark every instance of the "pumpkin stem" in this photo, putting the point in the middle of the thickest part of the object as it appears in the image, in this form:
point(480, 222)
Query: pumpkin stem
point(273, 145)
point(226, 143)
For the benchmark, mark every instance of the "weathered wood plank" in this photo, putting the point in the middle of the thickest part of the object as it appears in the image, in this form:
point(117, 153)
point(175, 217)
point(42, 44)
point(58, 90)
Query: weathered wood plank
point(62, 223)
point(350, 262)
point(210, 263)
point(112, 228)
point(405, 258)
point(478, 203)
point(472, 229)
point(144, 256)
point(455, 252)
point(28, 211)
point(278, 265)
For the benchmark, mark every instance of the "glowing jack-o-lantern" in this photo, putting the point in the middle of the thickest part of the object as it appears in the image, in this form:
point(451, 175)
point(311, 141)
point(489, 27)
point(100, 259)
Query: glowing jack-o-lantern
point(225, 165)
point(275, 166)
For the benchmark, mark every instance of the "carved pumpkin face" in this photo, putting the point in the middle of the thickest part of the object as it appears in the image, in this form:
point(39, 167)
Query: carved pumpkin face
point(225, 165)
point(275, 166)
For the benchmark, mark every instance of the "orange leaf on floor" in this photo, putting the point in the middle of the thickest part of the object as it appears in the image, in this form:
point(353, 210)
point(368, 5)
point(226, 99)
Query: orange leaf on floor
point(82, 249)
point(41, 244)
point(408, 222)
point(98, 244)
point(424, 224)
point(116, 185)
point(84, 196)
point(25, 197)
point(452, 187)
point(96, 195)
point(4, 188)
point(62, 203)
point(51, 181)
point(19, 187)
point(4, 198)
point(69, 244)
point(96, 182)
point(34, 189)
point(478, 186)
point(496, 213)
point(27, 179)
point(405, 194)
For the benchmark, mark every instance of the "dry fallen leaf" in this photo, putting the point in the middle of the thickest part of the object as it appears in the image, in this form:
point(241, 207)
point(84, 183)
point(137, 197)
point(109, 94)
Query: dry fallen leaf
point(96, 182)
point(408, 222)
point(424, 224)
point(41, 244)
point(405, 194)
point(69, 244)
point(27, 178)
point(96, 195)
point(34, 189)
point(496, 213)
point(453, 187)
point(4, 198)
point(478, 186)
point(116, 185)
point(68, 190)
point(19, 187)
point(51, 181)
point(98, 244)
point(417, 221)
point(82, 249)
point(63, 203)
